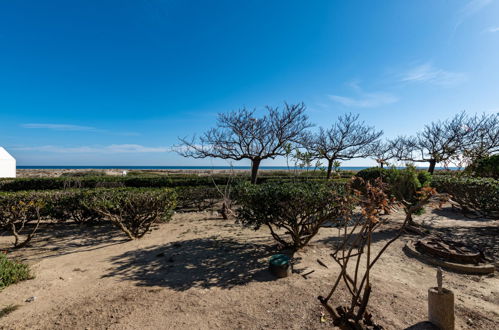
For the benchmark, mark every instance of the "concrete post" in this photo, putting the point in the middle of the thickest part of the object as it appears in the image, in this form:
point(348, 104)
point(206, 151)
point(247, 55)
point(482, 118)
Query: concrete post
point(441, 305)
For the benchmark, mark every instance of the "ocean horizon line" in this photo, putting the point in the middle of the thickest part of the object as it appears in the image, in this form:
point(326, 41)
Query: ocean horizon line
point(120, 167)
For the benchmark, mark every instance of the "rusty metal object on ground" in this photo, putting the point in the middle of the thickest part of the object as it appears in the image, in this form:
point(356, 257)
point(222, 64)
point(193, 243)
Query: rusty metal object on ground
point(448, 250)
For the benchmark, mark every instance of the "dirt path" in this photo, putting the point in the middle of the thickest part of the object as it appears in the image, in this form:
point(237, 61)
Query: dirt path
point(200, 272)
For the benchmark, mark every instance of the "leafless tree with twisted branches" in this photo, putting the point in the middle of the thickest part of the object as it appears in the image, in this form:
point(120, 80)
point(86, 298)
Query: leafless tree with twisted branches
point(241, 135)
point(348, 138)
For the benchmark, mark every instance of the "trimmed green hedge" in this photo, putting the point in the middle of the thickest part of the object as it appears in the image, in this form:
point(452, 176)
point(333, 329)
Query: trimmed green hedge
point(65, 205)
point(133, 210)
point(487, 167)
point(298, 208)
point(197, 198)
point(60, 183)
point(107, 181)
point(479, 195)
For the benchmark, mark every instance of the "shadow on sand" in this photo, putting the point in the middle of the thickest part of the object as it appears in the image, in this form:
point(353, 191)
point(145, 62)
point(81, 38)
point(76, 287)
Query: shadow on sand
point(53, 240)
point(377, 236)
point(204, 262)
point(425, 325)
point(456, 214)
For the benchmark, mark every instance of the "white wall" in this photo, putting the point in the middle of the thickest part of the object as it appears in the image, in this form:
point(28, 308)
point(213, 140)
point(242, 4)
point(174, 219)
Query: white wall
point(7, 168)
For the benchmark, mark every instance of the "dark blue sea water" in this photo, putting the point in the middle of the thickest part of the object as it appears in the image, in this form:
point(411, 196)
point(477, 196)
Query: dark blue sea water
point(284, 168)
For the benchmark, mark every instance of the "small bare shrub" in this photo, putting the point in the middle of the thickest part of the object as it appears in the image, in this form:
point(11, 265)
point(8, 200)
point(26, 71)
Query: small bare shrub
point(355, 250)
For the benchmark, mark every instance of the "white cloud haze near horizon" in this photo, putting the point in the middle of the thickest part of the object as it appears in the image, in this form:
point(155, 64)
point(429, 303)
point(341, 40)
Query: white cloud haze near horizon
point(114, 148)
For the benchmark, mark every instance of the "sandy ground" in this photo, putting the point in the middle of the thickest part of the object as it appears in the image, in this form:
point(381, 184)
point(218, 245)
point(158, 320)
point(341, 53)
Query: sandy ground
point(201, 272)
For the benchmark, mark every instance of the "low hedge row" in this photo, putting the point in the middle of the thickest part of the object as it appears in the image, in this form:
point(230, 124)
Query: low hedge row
point(133, 210)
point(72, 204)
point(197, 197)
point(474, 195)
point(107, 182)
point(59, 183)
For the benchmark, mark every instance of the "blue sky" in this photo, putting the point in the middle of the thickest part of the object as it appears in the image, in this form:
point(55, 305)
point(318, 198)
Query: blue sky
point(116, 82)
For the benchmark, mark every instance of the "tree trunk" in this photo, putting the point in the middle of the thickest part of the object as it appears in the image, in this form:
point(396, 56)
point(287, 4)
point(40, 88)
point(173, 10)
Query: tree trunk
point(433, 162)
point(382, 164)
point(329, 168)
point(255, 164)
point(408, 219)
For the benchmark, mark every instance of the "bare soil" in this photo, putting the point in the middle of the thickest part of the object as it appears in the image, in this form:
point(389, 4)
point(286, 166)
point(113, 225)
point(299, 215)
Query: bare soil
point(201, 272)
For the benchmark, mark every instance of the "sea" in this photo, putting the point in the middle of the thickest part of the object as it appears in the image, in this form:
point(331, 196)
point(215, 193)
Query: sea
point(282, 168)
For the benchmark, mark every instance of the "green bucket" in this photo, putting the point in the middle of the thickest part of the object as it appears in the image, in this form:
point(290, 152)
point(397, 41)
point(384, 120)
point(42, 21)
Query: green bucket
point(280, 265)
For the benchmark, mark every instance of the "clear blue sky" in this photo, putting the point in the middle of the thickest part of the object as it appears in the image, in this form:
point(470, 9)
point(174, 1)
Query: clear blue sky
point(116, 82)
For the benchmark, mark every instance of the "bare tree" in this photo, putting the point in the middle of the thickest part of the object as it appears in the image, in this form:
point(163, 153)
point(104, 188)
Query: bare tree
point(483, 137)
point(346, 139)
point(383, 151)
point(402, 147)
point(356, 257)
point(239, 135)
point(438, 142)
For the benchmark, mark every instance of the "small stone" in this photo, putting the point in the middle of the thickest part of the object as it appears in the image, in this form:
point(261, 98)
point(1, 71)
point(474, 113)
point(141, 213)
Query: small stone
point(30, 299)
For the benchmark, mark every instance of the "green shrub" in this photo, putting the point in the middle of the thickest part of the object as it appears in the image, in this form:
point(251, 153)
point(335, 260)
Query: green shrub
point(198, 197)
point(487, 167)
point(424, 178)
point(372, 173)
point(132, 210)
point(474, 195)
point(12, 272)
point(298, 208)
point(448, 172)
point(368, 175)
point(404, 184)
point(60, 183)
point(411, 188)
point(92, 173)
point(63, 205)
point(407, 186)
point(18, 211)
point(90, 182)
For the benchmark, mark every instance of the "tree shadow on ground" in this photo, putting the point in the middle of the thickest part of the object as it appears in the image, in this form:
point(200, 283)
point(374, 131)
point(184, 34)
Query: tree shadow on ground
point(52, 240)
point(425, 325)
point(455, 213)
point(203, 262)
point(484, 238)
point(377, 236)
